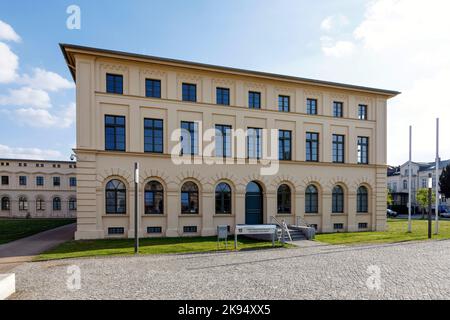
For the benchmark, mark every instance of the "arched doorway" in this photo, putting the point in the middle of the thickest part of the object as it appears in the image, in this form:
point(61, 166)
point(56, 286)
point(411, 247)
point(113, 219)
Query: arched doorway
point(254, 204)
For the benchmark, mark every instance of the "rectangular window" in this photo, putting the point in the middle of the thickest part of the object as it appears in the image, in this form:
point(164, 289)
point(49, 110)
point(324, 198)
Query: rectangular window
point(223, 141)
point(283, 103)
point(363, 150)
point(254, 100)
point(114, 83)
point(116, 230)
point(190, 229)
point(338, 148)
point(152, 88)
point(338, 109)
point(22, 180)
point(223, 96)
point(154, 229)
point(39, 181)
point(56, 181)
point(5, 180)
point(284, 145)
point(189, 92)
point(189, 138)
point(362, 112)
point(153, 135)
point(362, 225)
point(254, 143)
point(311, 106)
point(338, 226)
point(114, 133)
point(312, 146)
point(73, 181)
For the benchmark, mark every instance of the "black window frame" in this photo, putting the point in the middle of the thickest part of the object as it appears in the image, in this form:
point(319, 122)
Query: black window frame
point(72, 204)
point(311, 199)
point(362, 112)
point(40, 204)
point(23, 204)
point(22, 180)
point(153, 230)
point(338, 199)
point(5, 203)
point(258, 143)
point(153, 88)
point(192, 197)
point(312, 143)
point(223, 198)
point(156, 189)
point(56, 204)
point(116, 230)
point(114, 83)
point(338, 151)
point(285, 145)
point(5, 180)
point(284, 199)
point(115, 125)
point(194, 136)
point(311, 106)
point(121, 190)
point(72, 181)
point(189, 92)
point(362, 200)
point(40, 181)
point(363, 150)
point(222, 96)
point(284, 103)
point(56, 181)
point(153, 131)
point(223, 149)
point(338, 109)
point(254, 100)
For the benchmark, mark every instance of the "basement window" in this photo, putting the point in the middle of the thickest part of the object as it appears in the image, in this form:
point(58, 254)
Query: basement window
point(190, 229)
point(116, 230)
point(154, 229)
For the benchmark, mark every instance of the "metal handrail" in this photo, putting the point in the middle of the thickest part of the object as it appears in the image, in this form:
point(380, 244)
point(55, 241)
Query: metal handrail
point(283, 227)
point(302, 222)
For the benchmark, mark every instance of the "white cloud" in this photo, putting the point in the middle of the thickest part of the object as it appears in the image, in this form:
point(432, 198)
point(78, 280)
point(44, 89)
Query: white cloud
point(334, 22)
point(41, 118)
point(9, 62)
point(46, 80)
point(29, 153)
point(7, 33)
point(337, 49)
point(27, 97)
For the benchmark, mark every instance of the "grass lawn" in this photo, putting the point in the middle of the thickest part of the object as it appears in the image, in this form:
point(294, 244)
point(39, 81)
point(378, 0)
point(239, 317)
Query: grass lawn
point(109, 247)
point(397, 232)
point(13, 229)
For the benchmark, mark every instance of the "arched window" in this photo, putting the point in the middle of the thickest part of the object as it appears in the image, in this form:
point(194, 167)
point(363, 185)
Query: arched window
point(154, 198)
point(40, 204)
point(223, 198)
point(5, 204)
point(72, 204)
point(284, 199)
point(311, 200)
point(338, 200)
point(56, 204)
point(189, 198)
point(362, 200)
point(115, 197)
point(23, 204)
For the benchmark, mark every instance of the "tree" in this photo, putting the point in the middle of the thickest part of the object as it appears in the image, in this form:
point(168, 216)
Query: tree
point(422, 199)
point(390, 200)
point(444, 182)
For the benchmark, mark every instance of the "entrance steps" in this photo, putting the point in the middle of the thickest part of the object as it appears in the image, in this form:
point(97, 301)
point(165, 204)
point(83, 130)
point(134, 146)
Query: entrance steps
point(296, 235)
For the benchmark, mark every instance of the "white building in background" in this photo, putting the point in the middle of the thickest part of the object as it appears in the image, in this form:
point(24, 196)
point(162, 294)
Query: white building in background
point(37, 189)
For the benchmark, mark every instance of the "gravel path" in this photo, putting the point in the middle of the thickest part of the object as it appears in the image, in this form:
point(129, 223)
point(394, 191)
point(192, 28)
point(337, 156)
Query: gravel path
point(419, 270)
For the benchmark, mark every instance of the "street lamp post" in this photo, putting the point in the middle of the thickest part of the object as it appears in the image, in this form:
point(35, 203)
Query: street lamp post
point(430, 188)
point(136, 209)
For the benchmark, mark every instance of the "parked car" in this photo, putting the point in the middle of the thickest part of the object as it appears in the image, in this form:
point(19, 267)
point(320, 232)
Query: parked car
point(445, 214)
point(391, 213)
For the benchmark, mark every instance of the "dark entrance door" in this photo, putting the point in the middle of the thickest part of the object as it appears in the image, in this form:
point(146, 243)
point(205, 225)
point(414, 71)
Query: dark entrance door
point(253, 204)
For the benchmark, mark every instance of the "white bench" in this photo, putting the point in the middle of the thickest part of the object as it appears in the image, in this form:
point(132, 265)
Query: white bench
point(7, 285)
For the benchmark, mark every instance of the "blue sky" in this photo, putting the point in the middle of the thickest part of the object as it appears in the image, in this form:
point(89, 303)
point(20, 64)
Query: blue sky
point(353, 41)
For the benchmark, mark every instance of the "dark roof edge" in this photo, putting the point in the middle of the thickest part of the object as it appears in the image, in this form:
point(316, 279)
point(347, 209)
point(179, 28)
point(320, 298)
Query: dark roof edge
point(64, 46)
point(37, 160)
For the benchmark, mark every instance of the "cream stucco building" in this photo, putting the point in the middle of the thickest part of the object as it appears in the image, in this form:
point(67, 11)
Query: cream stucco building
point(37, 189)
point(332, 146)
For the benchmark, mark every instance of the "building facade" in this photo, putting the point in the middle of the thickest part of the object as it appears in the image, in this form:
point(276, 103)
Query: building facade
point(37, 189)
point(331, 141)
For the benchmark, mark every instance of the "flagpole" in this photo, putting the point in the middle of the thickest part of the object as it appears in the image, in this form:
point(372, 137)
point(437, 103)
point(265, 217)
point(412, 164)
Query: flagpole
point(409, 180)
point(436, 231)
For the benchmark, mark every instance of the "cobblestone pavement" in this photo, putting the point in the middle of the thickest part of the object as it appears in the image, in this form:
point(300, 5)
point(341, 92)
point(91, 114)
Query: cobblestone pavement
point(419, 270)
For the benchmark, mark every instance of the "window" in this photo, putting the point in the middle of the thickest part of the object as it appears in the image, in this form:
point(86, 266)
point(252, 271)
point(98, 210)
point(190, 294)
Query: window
point(189, 92)
point(189, 198)
point(114, 133)
point(189, 138)
point(153, 135)
point(5, 180)
point(254, 100)
point(72, 204)
point(284, 145)
point(152, 88)
point(362, 112)
point(283, 103)
point(312, 146)
point(424, 183)
point(362, 200)
point(154, 229)
point(154, 198)
point(284, 199)
point(311, 106)
point(394, 188)
point(40, 204)
point(114, 83)
point(73, 181)
point(39, 181)
point(363, 150)
point(57, 204)
point(254, 143)
point(405, 184)
point(338, 226)
point(223, 198)
point(190, 229)
point(338, 200)
point(22, 180)
point(338, 148)
point(338, 108)
point(23, 204)
point(363, 225)
point(223, 141)
point(116, 230)
point(115, 197)
point(56, 181)
point(5, 204)
point(223, 96)
point(311, 200)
